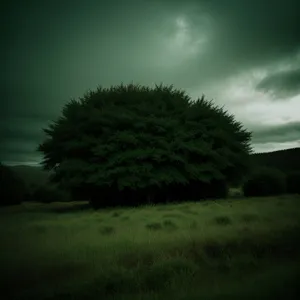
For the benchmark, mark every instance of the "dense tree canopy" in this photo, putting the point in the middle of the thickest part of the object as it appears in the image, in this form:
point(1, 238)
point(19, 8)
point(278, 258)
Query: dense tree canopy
point(132, 144)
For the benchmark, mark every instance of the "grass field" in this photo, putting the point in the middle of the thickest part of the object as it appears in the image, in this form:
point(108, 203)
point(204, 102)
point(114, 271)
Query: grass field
point(227, 249)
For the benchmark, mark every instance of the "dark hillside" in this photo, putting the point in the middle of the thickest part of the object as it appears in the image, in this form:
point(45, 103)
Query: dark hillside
point(286, 160)
point(31, 175)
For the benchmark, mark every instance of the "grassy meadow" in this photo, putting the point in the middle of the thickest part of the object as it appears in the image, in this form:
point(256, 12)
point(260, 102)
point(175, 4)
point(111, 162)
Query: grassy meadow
point(227, 249)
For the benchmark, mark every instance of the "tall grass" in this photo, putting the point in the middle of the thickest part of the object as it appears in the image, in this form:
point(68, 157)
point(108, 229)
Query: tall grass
point(212, 250)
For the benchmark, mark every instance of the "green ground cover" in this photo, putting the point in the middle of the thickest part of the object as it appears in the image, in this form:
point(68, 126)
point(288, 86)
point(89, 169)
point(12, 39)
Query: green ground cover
point(228, 249)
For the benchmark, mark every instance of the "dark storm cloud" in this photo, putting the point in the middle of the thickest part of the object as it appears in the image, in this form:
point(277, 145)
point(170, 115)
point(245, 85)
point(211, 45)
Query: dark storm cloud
point(278, 134)
point(282, 84)
point(121, 40)
point(22, 129)
point(54, 51)
point(244, 35)
point(20, 137)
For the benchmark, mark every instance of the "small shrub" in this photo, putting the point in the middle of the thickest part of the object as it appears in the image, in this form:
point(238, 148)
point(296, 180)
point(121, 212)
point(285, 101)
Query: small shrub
point(154, 226)
point(222, 220)
point(107, 230)
point(170, 225)
point(265, 182)
point(293, 182)
point(116, 214)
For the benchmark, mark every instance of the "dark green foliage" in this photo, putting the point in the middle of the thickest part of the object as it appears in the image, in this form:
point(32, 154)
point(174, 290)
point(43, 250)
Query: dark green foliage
point(265, 182)
point(169, 225)
point(12, 188)
point(131, 145)
point(293, 182)
point(48, 194)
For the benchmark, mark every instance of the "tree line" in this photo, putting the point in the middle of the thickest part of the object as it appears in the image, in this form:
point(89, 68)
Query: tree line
point(129, 145)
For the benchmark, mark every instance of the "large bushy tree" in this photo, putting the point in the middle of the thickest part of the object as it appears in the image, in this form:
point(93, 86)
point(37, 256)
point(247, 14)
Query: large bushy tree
point(132, 144)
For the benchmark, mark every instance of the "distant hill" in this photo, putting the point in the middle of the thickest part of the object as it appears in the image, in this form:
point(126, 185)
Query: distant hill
point(31, 175)
point(286, 160)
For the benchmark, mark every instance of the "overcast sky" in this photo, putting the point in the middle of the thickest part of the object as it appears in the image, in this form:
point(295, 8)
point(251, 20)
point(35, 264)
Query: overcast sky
point(241, 54)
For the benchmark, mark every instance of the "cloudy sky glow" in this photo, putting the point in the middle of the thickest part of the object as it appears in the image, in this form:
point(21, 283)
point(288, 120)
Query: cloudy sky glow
point(242, 54)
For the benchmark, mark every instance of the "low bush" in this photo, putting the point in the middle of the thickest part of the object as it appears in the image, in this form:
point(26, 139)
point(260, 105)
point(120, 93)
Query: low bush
point(293, 182)
point(265, 182)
